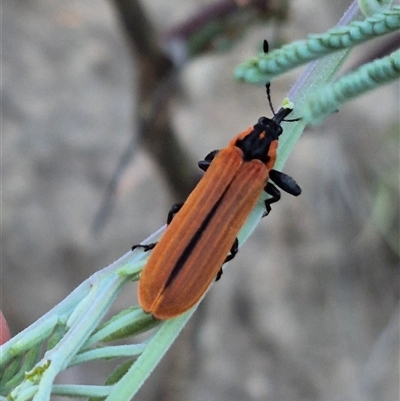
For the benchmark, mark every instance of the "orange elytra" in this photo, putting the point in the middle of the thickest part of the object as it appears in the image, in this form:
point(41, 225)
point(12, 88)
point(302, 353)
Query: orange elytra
point(201, 233)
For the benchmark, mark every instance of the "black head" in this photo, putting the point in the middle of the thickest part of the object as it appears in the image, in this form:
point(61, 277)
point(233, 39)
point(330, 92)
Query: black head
point(256, 144)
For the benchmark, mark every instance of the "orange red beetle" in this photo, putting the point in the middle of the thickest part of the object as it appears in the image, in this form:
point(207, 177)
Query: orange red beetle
point(201, 233)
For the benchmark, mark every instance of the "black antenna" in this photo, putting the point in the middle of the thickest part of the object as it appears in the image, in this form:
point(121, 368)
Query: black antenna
point(268, 90)
point(268, 84)
point(265, 46)
point(268, 87)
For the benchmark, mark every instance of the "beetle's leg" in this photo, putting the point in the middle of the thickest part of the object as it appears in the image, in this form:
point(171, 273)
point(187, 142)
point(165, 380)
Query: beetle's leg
point(146, 247)
point(219, 274)
point(204, 164)
point(285, 182)
point(174, 210)
point(232, 253)
point(272, 190)
point(234, 250)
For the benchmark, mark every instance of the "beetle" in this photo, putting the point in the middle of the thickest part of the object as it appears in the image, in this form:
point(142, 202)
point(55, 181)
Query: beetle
point(202, 232)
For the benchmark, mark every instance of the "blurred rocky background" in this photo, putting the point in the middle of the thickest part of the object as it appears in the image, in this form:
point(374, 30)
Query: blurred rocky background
point(308, 310)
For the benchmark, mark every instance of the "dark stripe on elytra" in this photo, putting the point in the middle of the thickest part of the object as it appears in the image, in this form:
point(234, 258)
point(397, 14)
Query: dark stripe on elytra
point(193, 242)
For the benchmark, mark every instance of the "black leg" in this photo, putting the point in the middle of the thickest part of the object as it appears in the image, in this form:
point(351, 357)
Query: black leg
point(173, 211)
point(275, 196)
point(204, 164)
point(232, 253)
point(146, 247)
point(234, 250)
point(285, 182)
point(219, 274)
